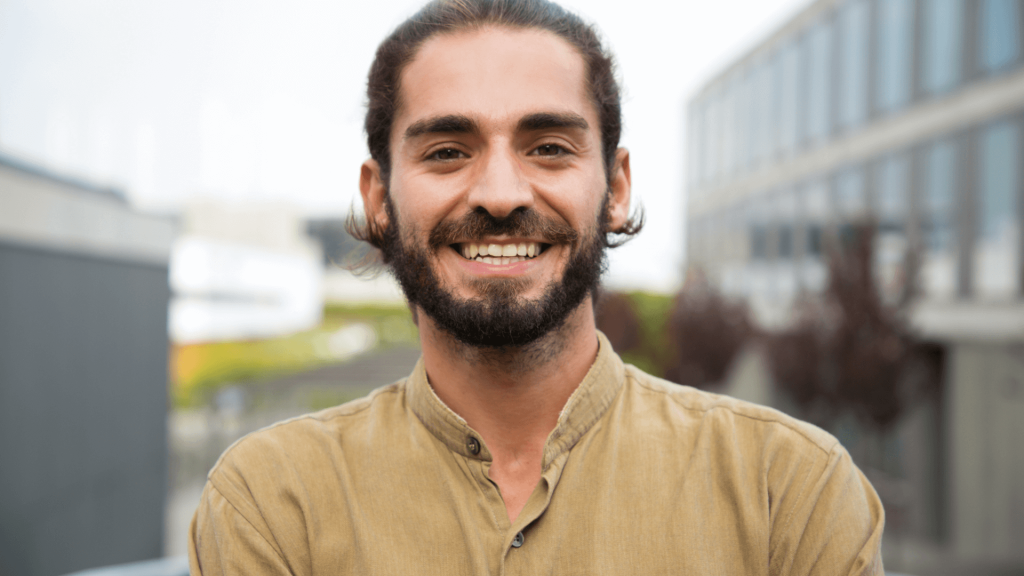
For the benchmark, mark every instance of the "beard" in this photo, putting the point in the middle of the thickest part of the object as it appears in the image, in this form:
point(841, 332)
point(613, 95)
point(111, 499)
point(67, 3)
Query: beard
point(499, 317)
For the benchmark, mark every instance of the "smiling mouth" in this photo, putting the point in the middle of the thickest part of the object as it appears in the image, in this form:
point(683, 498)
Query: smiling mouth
point(500, 253)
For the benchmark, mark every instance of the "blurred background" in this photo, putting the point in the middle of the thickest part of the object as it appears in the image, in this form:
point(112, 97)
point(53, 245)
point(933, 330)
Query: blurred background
point(834, 200)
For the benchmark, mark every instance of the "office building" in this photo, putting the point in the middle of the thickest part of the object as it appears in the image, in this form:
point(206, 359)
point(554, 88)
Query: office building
point(908, 114)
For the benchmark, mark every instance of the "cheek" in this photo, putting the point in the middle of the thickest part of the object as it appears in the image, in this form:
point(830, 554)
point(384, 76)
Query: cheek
point(423, 200)
point(581, 205)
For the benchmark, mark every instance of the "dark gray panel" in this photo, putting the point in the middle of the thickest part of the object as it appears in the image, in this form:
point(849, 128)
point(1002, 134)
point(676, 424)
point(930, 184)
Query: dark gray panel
point(83, 404)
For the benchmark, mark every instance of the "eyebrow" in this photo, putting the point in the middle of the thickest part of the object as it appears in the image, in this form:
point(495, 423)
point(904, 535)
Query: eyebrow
point(450, 123)
point(547, 120)
point(459, 124)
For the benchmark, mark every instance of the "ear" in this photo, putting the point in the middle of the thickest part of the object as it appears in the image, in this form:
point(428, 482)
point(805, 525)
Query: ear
point(620, 191)
point(373, 191)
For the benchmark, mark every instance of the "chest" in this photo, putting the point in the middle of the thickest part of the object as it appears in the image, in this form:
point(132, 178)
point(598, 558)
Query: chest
point(625, 520)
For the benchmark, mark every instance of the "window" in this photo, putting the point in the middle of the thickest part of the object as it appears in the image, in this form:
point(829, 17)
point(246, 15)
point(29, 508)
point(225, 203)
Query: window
point(939, 177)
point(728, 146)
point(939, 195)
point(851, 204)
point(785, 220)
point(744, 119)
point(818, 52)
point(997, 244)
point(943, 44)
point(789, 101)
point(694, 145)
point(895, 44)
point(999, 34)
point(758, 217)
point(850, 200)
point(813, 216)
point(713, 130)
point(892, 198)
point(853, 63)
point(892, 206)
point(768, 95)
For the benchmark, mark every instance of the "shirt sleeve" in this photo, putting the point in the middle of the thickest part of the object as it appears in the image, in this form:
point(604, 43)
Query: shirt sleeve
point(835, 525)
point(224, 542)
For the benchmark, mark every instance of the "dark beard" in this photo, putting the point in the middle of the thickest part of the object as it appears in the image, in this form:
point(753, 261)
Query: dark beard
point(499, 317)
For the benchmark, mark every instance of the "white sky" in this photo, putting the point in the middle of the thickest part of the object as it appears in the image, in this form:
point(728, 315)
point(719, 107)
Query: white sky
point(254, 100)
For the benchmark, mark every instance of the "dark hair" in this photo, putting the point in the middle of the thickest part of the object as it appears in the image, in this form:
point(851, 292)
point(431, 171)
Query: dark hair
point(446, 16)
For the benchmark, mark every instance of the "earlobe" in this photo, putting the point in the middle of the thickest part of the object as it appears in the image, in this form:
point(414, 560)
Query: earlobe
point(620, 189)
point(374, 193)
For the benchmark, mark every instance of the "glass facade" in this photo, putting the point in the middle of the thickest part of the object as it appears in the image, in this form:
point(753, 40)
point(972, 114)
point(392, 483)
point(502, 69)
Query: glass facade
point(999, 34)
point(818, 109)
point(813, 220)
point(997, 243)
point(938, 227)
point(761, 106)
point(895, 53)
point(789, 98)
point(853, 63)
point(892, 206)
point(744, 121)
point(767, 111)
point(821, 88)
point(942, 38)
point(851, 202)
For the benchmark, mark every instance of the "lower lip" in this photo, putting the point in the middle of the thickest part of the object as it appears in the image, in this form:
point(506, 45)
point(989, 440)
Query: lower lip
point(485, 269)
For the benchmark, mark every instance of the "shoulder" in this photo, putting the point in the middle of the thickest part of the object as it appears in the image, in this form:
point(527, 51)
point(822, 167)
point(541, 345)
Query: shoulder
point(304, 440)
point(749, 424)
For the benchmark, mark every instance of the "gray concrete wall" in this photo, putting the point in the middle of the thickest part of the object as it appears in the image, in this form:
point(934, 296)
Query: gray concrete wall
point(83, 405)
point(985, 422)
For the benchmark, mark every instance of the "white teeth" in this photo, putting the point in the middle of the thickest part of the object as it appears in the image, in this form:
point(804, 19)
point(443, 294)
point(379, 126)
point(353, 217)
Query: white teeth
point(522, 250)
point(504, 261)
point(488, 260)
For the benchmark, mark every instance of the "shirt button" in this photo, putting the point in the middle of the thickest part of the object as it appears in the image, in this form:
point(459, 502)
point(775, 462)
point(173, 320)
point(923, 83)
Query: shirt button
point(518, 540)
point(473, 445)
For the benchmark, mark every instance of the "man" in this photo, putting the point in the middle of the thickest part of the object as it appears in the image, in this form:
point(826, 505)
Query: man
point(521, 444)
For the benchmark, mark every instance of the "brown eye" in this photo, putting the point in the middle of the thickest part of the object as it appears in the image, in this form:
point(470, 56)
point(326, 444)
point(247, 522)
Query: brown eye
point(447, 154)
point(550, 150)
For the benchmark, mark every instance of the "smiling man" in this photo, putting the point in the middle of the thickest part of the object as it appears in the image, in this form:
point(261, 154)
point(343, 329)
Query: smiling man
point(521, 444)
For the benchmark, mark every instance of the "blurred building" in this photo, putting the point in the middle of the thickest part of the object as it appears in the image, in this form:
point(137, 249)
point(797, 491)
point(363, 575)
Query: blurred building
point(340, 250)
point(241, 271)
point(83, 375)
point(907, 113)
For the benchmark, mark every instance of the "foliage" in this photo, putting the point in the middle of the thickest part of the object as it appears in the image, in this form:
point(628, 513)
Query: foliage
point(705, 332)
point(850, 351)
point(689, 339)
point(198, 370)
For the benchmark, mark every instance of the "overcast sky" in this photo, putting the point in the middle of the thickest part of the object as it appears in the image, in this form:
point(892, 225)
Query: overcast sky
point(255, 100)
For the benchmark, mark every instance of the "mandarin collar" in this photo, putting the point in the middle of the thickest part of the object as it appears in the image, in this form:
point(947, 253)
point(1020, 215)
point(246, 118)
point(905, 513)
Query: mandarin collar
point(584, 408)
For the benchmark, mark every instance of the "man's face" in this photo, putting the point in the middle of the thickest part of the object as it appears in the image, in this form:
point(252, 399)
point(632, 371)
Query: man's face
point(497, 184)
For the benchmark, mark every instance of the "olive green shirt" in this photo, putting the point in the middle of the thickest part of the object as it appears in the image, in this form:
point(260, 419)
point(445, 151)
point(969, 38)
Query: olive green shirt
point(640, 476)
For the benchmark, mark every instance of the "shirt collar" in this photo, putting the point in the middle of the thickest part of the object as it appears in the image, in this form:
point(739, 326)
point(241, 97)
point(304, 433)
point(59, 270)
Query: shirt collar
point(584, 408)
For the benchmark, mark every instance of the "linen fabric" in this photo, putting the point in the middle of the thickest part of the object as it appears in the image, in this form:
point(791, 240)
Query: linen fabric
point(640, 476)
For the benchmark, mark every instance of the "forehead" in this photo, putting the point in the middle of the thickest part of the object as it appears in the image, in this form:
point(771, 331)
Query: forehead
point(494, 74)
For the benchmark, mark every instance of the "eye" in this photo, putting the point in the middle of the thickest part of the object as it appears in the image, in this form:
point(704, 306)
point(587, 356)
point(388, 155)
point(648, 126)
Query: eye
point(549, 150)
point(447, 154)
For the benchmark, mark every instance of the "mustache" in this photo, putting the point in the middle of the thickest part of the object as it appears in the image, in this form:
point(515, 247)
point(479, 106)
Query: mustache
point(521, 222)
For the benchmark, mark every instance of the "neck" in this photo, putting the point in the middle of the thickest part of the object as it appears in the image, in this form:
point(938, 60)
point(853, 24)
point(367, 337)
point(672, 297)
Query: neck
point(511, 396)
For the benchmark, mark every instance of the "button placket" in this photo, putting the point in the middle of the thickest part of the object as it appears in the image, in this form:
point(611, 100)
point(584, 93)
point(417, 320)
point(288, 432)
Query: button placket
point(518, 540)
point(473, 445)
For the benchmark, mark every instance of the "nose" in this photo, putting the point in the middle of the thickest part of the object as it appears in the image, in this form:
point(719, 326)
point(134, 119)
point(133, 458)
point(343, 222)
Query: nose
point(501, 187)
